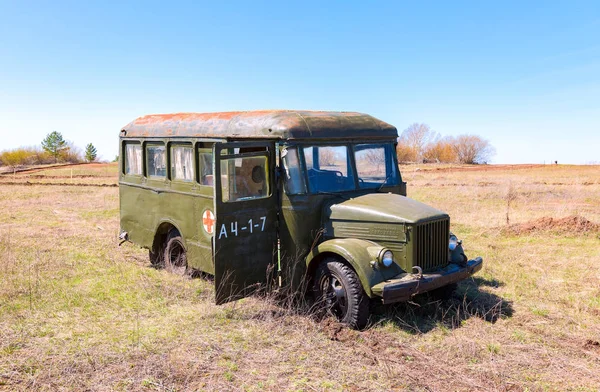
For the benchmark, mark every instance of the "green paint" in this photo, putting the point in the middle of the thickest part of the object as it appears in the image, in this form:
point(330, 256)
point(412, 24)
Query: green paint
point(356, 224)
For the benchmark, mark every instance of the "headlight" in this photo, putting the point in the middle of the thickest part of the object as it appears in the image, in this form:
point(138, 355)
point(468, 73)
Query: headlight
point(453, 242)
point(387, 258)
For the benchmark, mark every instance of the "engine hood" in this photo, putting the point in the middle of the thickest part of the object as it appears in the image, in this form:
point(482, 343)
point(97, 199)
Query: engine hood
point(383, 208)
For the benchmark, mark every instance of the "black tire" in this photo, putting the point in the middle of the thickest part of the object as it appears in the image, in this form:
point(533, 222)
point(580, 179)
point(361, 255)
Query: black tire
point(443, 293)
point(337, 288)
point(174, 254)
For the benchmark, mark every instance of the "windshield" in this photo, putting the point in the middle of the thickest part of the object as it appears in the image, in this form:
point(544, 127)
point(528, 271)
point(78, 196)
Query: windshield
point(375, 165)
point(328, 169)
point(336, 168)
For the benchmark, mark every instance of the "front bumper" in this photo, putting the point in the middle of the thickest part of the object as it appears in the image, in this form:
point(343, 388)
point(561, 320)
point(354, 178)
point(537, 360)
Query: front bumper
point(404, 286)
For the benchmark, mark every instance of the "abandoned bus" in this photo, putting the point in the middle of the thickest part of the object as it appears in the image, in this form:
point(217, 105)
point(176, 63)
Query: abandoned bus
point(308, 198)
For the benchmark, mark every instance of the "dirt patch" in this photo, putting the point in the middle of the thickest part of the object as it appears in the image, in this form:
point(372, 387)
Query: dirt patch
point(572, 224)
point(27, 183)
point(32, 169)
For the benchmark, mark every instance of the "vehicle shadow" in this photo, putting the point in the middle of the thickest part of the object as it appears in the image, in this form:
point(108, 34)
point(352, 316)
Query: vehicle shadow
point(425, 313)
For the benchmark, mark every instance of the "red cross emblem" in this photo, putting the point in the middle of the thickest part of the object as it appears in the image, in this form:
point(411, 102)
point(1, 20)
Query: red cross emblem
point(208, 221)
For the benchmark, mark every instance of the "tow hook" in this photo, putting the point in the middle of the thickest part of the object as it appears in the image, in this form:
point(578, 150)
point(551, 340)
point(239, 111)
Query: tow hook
point(419, 272)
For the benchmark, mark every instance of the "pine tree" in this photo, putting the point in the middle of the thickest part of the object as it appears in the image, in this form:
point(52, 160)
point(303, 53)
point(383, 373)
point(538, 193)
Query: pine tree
point(90, 153)
point(54, 144)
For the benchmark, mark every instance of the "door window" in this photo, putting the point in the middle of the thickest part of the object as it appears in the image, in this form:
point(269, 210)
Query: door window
point(244, 178)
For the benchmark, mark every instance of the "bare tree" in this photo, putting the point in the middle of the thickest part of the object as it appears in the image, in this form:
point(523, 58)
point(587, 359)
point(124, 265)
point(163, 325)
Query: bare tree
point(326, 157)
point(417, 137)
point(472, 149)
point(375, 157)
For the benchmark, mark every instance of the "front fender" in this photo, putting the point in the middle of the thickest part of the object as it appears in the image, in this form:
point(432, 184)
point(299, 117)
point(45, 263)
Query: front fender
point(359, 254)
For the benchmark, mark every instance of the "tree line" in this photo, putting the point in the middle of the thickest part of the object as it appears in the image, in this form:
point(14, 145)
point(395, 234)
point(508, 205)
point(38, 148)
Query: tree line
point(53, 149)
point(420, 144)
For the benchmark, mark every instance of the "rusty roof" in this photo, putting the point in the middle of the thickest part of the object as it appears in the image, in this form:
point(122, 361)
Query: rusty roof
point(273, 124)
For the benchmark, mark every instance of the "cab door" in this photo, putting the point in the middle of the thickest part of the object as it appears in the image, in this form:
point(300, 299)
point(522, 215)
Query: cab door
point(245, 234)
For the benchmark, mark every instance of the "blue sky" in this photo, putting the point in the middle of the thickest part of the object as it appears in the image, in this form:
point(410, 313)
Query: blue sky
point(524, 75)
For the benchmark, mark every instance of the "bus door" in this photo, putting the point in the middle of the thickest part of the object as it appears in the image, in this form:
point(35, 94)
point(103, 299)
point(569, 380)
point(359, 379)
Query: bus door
point(245, 233)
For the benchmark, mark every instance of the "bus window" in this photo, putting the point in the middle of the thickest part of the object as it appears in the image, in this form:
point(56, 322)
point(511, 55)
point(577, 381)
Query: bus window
point(205, 167)
point(182, 163)
point(244, 178)
point(156, 162)
point(133, 159)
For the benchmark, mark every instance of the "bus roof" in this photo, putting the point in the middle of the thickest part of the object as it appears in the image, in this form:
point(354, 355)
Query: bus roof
point(271, 124)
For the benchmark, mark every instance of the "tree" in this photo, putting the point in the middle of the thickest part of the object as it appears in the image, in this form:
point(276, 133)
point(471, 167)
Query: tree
point(13, 158)
point(416, 137)
point(54, 144)
point(90, 153)
point(473, 149)
point(440, 151)
point(404, 152)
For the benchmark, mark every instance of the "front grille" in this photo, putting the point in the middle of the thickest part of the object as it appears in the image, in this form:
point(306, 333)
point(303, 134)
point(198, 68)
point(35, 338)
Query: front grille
point(431, 244)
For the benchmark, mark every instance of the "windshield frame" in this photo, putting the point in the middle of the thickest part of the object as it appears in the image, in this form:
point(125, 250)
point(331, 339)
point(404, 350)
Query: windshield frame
point(351, 158)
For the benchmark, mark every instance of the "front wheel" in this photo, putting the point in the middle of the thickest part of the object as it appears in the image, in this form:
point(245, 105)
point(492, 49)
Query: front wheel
point(338, 289)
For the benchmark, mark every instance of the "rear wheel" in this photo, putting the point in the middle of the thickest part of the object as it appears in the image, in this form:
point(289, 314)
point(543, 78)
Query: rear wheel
point(338, 289)
point(174, 256)
point(157, 258)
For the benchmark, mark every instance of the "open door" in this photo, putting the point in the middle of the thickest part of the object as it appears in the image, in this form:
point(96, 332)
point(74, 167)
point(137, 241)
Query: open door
point(245, 233)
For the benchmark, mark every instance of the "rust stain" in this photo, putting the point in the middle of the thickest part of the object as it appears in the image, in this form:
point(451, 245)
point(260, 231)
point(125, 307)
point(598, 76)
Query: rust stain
point(274, 124)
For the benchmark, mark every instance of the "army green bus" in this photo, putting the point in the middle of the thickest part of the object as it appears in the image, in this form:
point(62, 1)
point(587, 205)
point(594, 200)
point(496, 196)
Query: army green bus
point(300, 198)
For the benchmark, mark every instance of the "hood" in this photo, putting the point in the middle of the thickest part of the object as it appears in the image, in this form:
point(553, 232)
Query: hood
point(384, 208)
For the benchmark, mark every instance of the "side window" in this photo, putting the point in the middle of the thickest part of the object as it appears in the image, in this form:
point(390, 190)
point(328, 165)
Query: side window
point(244, 178)
point(156, 161)
point(294, 181)
point(182, 163)
point(133, 159)
point(205, 167)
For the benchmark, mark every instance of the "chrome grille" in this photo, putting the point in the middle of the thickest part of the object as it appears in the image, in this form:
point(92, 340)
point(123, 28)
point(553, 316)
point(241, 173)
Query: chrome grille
point(431, 244)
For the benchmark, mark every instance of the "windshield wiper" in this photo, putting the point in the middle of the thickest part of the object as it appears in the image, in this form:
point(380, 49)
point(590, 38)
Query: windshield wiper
point(385, 181)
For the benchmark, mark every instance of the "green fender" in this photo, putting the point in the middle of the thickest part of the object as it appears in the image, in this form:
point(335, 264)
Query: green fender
point(359, 254)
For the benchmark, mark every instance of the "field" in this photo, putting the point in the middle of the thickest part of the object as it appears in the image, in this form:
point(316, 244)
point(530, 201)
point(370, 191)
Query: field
point(78, 312)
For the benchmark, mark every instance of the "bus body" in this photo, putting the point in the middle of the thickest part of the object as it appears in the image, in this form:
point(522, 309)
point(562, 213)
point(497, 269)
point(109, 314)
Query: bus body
point(301, 198)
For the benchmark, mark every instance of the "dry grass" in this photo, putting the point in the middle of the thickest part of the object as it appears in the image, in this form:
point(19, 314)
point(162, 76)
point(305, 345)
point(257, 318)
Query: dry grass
point(77, 312)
